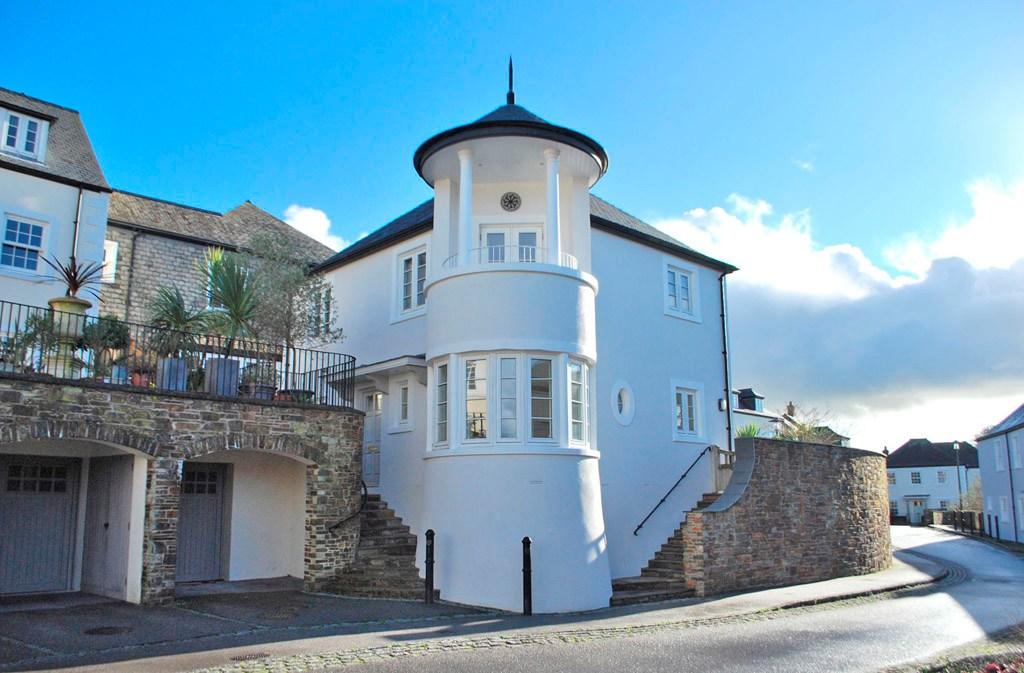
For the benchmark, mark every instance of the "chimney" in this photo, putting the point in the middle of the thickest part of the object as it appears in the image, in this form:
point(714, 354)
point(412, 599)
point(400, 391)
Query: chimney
point(791, 409)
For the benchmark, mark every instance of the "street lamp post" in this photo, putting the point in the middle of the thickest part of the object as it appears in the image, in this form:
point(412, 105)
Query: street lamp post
point(959, 486)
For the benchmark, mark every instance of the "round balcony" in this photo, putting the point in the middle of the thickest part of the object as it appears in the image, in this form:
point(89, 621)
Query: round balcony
point(511, 254)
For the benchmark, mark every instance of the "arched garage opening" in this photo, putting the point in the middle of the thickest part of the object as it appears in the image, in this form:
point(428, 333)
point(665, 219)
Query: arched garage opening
point(242, 516)
point(72, 515)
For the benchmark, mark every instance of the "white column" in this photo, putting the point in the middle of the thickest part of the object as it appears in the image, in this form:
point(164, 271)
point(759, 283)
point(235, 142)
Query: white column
point(551, 226)
point(465, 205)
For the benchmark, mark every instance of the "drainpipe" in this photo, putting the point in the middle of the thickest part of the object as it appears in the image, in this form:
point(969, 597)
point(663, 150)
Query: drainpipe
point(1013, 500)
point(78, 217)
point(131, 274)
point(725, 363)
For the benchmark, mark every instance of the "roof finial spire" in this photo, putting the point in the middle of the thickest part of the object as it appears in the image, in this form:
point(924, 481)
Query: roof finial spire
point(510, 97)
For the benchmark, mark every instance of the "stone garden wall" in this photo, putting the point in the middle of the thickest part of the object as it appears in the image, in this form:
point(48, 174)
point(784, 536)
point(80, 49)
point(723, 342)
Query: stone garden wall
point(175, 427)
point(792, 513)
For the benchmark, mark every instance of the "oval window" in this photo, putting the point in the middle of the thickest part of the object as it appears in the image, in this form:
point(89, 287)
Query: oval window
point(623, 403)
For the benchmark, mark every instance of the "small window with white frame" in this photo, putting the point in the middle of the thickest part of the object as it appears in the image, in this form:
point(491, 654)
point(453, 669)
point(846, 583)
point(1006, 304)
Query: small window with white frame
point(579, 402)
point(412, 281)
point(22, 243)
point(915, 477)
point(943, 505)
point(894, 507)
point(541, 392)
point(22, 135)
point(1016, 451)
point(686, 411)
point(476, 399)
point(441, 404)
point(508, 394)
point(892, 478)
point(109, 262)
point(998, 448)
point(403, 404)
point(681, 297)
point(941, 476)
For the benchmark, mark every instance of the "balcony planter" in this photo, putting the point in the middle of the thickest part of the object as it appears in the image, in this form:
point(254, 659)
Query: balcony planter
point(71, 322)
point(300, 396)
point(141, 378)
point(222, 376)
point(172, 374)
point(259, 380)
point(259, 391)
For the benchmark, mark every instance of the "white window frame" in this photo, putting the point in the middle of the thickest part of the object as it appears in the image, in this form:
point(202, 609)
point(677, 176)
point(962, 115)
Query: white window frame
point(941, 476)
point(511, 232)
point(1016, 452)
point(442, 404)
point(394, 405)
point(697, 390)
point(998, 452)
point(528, 376)
point(585, 401)
point(892, 478)
point(943, 505)
point(42, 133)
point(692, 274)
point(41, 250)
point(1020, 511)
point(109, 262)
point(415, 309)
point(625, 415)
point(1004, 510)
point(517, 396)
point(488, 399)
point(894, 507)
point(915, 478)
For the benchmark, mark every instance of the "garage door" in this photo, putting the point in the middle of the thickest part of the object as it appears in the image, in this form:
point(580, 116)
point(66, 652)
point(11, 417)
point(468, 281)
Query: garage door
point(38, 498)
point(200, 516)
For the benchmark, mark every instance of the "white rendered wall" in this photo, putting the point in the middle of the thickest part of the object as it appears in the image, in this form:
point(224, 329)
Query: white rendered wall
point(996, 483)
point(930, 486)
point(640, 345)
point(268, 514)
point(53, 204)
point(486, 504)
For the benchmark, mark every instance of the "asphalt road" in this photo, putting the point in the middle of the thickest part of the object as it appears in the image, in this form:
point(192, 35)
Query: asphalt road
point(984, 594)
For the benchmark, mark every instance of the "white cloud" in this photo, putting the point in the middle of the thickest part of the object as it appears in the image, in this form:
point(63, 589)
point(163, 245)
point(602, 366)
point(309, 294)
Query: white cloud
point(993, 237)
point(804, 165)
point(936, 353)
point(314, 223)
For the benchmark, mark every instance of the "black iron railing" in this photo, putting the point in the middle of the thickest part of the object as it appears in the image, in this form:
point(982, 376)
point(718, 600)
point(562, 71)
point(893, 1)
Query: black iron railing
point(69, 346)
point(661, 502)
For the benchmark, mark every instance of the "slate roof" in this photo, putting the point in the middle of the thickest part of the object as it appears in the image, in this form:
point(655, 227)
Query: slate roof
point(1012, 422)
point(233, 229)
point(69, 155)
point(603, 215)
point(923, 453)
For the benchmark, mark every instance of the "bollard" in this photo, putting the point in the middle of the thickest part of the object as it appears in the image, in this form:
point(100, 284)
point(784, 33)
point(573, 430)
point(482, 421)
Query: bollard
point(527, 577)
point(998, 536)
point(988, 529)
point(429, 596)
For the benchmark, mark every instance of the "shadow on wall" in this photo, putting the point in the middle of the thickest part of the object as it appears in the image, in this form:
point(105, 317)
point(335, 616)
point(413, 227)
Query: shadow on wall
point(792, 513)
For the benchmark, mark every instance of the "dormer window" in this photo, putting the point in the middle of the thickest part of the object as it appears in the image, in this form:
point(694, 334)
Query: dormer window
point(22, 135)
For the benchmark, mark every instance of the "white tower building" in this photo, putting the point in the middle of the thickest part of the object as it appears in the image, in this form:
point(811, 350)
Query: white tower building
point(511, 359)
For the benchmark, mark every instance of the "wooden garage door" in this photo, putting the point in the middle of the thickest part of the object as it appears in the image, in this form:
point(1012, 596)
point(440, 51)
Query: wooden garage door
point(200, 517)
point(38, 501)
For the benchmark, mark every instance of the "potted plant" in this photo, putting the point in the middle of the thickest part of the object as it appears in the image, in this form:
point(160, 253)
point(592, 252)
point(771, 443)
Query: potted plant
point(47, 347)
point(106, 338)
point(176, 338)
point(77, 278)
point(14, 351)
point(233, 291)
point(140, 373)
point(259, 380)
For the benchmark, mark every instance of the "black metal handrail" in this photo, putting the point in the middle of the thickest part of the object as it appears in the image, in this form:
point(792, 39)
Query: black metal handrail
point(71, 346)
point(678, 481)
point(359, 510)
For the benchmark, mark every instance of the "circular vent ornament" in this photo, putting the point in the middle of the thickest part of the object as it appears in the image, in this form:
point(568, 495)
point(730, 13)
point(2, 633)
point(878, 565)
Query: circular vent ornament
point(511, 201)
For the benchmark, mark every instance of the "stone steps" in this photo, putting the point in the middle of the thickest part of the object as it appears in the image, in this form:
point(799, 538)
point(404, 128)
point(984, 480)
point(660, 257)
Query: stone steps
point(385, 562)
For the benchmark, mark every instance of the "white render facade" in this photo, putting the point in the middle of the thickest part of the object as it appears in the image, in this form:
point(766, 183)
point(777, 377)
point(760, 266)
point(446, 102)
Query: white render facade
point(1001, 457)
point(912, 490)
point(533, 362)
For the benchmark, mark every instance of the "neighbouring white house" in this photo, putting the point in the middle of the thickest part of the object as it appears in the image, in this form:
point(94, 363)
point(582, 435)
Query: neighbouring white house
point(53, 196)
point(533, 362)
point(1001, 454)
point(748, 410)
point(925, 475)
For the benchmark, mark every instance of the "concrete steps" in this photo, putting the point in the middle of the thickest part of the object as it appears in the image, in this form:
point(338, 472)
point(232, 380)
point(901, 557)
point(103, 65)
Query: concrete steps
point(385, 563)
point(663, 578)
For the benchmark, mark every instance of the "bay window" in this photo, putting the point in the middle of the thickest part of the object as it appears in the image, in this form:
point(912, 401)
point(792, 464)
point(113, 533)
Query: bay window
point(508, 395)
point(441, 401)
point(476, 399)
point(579, 402)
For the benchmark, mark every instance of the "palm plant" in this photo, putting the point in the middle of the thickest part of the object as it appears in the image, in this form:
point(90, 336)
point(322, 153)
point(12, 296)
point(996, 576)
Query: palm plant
point(233, 292)
point(76, 277)
point(749, 430)
point(178, 324)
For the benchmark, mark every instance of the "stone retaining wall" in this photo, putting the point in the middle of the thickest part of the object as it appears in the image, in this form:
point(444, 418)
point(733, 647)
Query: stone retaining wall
point(793, 513)
point(172, 428)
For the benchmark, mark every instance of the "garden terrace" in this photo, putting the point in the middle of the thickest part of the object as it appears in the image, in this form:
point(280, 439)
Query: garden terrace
point(42, 343)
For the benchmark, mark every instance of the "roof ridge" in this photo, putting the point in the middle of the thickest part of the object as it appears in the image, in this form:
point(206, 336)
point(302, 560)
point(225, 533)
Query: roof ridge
point(170, 203)
point(40, 100)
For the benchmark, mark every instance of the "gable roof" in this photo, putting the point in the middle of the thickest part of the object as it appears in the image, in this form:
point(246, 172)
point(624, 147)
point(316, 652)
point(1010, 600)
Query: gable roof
point(69, 155)
point(234, 229)
point(1012, 422)
point(603, 215)
point(923, 453)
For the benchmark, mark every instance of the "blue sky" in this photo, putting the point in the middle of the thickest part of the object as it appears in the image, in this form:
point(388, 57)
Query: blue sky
point(862, 162)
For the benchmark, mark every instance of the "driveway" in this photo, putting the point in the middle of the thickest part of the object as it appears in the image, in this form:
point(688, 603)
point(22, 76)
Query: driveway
point(83, 630)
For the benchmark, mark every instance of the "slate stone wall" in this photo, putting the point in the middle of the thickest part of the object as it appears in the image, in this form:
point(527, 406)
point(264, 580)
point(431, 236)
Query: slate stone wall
point(159, 261)
point(793, 513)
point(176, 427)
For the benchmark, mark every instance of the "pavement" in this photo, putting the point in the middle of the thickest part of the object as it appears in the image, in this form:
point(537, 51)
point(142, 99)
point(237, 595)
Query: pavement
point(292, 631)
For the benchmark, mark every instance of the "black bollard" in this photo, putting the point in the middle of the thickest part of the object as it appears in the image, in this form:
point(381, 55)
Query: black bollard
point(429, 596)
point(527, 577)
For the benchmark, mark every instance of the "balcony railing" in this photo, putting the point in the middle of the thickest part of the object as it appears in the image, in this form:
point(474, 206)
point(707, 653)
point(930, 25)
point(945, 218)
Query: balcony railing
point(42, 342)
point(513, 254)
